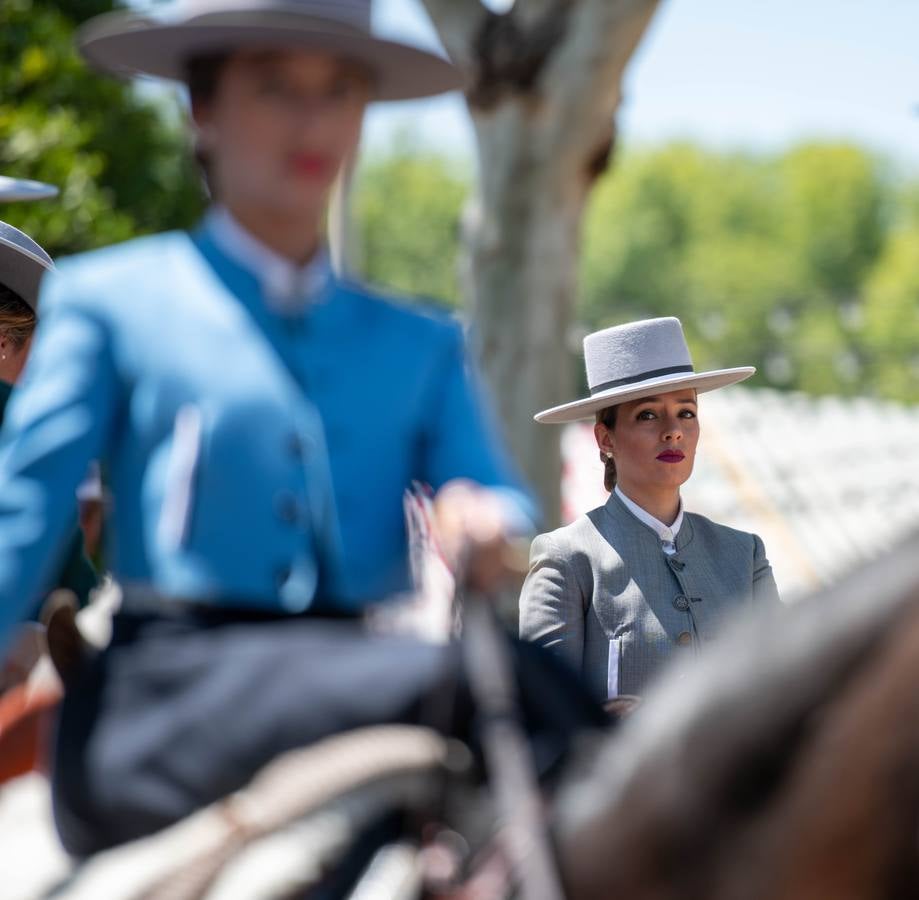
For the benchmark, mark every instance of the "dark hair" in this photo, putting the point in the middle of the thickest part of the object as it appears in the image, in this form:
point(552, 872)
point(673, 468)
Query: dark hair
point(607, 417)
point(17, 318)
point(202, 75)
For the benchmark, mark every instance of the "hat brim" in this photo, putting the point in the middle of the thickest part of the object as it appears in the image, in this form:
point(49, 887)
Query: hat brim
point(19, 189)
point(21, 271)
point(126, 44)
point(701, 382)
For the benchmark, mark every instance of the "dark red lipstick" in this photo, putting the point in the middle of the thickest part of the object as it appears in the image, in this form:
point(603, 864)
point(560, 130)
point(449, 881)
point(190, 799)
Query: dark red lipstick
point(310, 165)
point(671, 456)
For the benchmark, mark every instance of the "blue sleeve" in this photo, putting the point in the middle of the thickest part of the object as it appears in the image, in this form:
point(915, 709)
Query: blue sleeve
point(57, 421)
point(464, 439)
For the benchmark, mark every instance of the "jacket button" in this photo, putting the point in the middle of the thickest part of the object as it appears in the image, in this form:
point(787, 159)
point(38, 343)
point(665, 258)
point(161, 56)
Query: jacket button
point(681, 602)
point(297, 446)
point(294, 445)
point(286, 507)
point(294, 324)
point(684, 639)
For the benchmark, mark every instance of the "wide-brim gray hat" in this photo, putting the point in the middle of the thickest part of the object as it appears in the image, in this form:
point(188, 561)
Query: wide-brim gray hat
point(640, 359)
point(128, 44)
point(19, 189)
point(22, 263)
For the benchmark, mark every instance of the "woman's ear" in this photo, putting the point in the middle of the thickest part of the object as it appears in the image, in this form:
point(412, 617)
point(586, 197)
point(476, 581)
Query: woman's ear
point(201, 118)
point(604, 438)
point(198, 113)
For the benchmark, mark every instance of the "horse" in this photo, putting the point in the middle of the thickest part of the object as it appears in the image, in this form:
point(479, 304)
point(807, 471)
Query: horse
point(783, 763)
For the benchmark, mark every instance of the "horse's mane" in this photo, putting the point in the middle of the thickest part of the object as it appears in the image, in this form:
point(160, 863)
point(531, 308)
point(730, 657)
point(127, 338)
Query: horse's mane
point(783, 763)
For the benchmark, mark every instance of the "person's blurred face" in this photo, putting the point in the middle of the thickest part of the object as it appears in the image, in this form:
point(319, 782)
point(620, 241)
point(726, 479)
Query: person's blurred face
point(653, 441)
point(279, 127)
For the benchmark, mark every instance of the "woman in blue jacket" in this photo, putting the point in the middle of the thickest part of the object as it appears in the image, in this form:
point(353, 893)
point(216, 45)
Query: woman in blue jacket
point(215, 375)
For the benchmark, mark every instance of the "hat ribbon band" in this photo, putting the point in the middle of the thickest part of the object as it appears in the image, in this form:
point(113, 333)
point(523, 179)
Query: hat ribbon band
point(642, 376)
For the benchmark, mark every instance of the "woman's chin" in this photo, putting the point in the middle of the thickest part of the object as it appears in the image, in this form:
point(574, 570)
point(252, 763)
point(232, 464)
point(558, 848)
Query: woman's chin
point(312, 192)
point(672, 478)
point(291, 198)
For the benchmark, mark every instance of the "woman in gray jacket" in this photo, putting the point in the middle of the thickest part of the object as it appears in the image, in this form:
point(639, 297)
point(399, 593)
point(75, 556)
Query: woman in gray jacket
point(638, 581)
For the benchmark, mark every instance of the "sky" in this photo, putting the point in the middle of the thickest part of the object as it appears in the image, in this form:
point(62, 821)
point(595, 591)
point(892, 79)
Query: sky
point(752, 74)
point(737, 74)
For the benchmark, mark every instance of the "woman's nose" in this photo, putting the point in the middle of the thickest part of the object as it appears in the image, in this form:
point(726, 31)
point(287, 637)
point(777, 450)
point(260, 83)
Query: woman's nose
point(673, 431)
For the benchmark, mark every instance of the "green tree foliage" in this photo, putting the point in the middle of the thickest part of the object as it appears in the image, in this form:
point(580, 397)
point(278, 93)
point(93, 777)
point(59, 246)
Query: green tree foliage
point(408, 208)
point(891, 317)
point(119, 157)
point(834, 203)
point(765, 259)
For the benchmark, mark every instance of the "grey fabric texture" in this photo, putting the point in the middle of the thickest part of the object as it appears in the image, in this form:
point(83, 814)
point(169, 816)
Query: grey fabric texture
point(602, 594)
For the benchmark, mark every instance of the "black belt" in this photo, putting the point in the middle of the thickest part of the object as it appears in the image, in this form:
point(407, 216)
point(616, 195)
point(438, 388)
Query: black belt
point(148, 607)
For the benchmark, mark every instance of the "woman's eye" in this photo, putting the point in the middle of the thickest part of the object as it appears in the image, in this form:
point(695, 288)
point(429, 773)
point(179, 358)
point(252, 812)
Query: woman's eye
point(646, 415)
point(687, 414)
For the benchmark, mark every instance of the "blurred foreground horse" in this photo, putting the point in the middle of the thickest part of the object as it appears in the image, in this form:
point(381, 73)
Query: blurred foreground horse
point(784, 765)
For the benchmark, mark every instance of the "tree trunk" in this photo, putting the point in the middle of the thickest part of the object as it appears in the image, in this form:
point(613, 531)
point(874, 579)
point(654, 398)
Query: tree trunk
point(543, 88)
point(520, 280)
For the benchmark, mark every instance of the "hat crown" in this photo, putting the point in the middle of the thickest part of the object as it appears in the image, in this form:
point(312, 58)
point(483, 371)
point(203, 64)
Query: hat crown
point(635, 352)
point(353, 13)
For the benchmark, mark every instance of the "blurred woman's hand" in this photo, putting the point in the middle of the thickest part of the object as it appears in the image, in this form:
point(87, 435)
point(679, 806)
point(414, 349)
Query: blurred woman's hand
point(472, 527)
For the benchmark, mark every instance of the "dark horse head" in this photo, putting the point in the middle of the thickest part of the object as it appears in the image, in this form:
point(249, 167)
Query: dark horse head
point(784, 764)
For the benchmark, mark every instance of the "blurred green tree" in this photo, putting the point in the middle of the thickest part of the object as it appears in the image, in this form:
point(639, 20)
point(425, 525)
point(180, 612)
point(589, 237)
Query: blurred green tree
point(835, 213)
point(117, 155)
point(891, 318)
point(765, 259)
point(407, 210)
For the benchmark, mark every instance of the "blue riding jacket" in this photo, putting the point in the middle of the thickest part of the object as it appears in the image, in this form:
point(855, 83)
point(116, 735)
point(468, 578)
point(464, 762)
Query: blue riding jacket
point(231, 434)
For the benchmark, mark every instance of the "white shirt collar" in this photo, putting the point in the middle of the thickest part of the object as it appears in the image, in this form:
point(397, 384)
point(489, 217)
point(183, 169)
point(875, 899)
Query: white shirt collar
point(666, 533)
point(287, 286)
